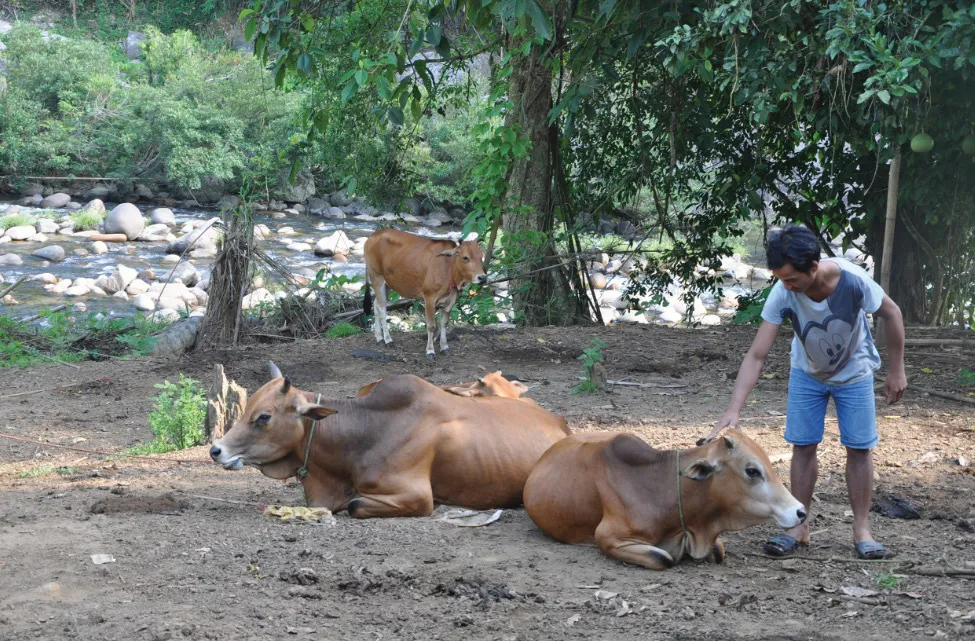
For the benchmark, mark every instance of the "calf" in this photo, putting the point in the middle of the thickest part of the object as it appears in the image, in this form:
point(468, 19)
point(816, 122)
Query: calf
point(493, 384)
point(417, 267)
point(395, 451)
point(652, 507)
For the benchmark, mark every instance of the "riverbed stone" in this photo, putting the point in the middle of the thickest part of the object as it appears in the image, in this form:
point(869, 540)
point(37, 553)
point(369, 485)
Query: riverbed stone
point(317, 205)
point(56, 201)
point(171, 302)
point(11, 260)
point(598, 280)
point(77, 290)
point(204, 252)
point(119, 279)
point(95, 205)
point(37, 238)
point(299, 247)
point(98, 247)
point(711, 320)
point(337, 243)
point(53, 253)
point(186, 273)
point(163, 316)
point(125, 219)
point(136, 287)
point(202, 237)
point(46, 278)
point(21, 232)
point(144, 302)
point(162, 216)
point(335, 212)
point(46, 226)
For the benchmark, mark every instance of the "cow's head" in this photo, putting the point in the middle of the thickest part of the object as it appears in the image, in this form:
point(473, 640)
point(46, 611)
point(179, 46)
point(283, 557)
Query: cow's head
point(493, 384)
point(467, 264)
point(271, 431)
point(746, 489)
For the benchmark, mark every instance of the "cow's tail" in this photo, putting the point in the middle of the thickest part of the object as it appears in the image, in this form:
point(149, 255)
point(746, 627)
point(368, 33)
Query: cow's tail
point(367, 300)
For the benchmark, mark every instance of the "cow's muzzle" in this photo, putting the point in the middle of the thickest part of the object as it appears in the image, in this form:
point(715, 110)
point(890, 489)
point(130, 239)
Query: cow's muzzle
point(228, 463)
point(480, 280)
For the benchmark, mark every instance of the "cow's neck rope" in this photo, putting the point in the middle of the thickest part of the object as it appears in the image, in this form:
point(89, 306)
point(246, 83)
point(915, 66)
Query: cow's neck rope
point(680, 506)
point(303, 470)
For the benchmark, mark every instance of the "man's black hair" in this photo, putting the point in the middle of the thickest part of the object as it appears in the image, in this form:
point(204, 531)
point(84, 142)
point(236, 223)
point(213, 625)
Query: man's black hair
point(792, 245)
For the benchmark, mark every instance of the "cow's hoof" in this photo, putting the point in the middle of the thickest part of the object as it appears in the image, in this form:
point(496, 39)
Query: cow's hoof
point(430, 356)
point(354, 506)
point(445, 351)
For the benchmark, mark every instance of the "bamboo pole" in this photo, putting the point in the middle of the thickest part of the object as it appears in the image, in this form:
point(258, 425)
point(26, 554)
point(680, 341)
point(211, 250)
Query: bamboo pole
point(893, 180)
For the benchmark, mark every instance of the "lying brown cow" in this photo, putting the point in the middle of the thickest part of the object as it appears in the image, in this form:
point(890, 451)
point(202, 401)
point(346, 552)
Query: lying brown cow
point(395, 451)
point(615, 491)
point(493, 384)
point(417, 267)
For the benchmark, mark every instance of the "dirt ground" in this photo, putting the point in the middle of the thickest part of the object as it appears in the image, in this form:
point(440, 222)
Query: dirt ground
point(188, 567)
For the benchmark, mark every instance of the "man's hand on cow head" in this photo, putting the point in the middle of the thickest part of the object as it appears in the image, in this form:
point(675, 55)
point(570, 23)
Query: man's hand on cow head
point(728, 420)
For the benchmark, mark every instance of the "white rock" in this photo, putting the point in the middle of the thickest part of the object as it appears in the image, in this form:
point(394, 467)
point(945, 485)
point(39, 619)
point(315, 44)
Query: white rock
point(162, 216)
point(257, 297)
point(286, 231)
point(163, 316)
point(99, 247)
point(144, 302)
point(46, 226)
point(77, 290)
point(80, 307)
point(136, 287)
point(299, 247)
point(170, 302)
point(711, 320)
point(56, 201)
point(38, 238)
point(335, 212)
point(598, 280)
point(200, 295)
point(171, 258)
point(125, 219)
point(119, 279)
point(11, 260)
point(23, 232)
point(121, 295)
point(337, 243)
point(670, 315)
point(47, 279)
point(95, 205)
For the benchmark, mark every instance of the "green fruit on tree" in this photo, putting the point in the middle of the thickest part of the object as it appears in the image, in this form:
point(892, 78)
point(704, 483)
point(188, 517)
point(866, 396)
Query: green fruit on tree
point(922, 143)
point(968, 144)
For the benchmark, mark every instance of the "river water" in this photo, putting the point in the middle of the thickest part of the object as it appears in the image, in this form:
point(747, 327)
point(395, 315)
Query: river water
point(143, 255)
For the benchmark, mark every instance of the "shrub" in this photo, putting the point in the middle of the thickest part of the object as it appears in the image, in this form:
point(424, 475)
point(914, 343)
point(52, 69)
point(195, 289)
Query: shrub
point(20, 219)
point(179, 414)
point(342, 330)
point(86, 219)
point(589, 357)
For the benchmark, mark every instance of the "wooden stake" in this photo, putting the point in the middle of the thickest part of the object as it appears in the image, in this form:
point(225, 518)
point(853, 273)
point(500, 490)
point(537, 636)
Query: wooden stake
point(14, 286)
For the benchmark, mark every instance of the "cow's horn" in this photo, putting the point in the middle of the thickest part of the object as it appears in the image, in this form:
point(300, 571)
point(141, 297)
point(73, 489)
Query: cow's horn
point(286, 386)
point(275, 372)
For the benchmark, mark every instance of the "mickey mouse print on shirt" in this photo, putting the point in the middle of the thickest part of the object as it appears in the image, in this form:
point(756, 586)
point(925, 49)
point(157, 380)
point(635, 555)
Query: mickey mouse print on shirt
point(832, 339)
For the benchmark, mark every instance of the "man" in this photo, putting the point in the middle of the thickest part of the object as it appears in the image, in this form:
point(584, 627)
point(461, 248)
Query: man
point(833, 355)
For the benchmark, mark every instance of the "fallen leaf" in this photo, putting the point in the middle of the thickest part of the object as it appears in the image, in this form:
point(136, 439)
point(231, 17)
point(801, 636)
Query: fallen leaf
point(910, 595)
point(650, 588)
point(289, 513)
point(572, 620)
point(768, 376)
point(823, 588)
point(588, 587)
point(541, 340)
point(850, 614)
point(101, 559)
point(893, 417)
point(858, 591)
point(848, 513)
point(790, 565)
point(605, 594)
point(927, 370)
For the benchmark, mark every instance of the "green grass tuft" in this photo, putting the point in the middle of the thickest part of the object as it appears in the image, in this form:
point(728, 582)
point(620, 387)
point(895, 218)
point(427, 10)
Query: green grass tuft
point(46, 470)
point(342, 330)
point(85, 220)
point(20, 219)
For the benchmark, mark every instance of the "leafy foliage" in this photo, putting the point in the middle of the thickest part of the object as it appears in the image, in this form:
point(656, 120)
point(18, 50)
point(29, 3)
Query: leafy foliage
point(179, 413)
point(590, 357)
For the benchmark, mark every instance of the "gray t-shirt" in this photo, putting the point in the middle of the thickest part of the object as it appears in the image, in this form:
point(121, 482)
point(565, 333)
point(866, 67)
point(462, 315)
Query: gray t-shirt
point(832, 339)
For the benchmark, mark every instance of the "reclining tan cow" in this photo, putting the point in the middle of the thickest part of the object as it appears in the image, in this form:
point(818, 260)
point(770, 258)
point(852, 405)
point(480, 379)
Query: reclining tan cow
point(493, 384)
point(652, 507)
point(394, 451)
point(417, 267)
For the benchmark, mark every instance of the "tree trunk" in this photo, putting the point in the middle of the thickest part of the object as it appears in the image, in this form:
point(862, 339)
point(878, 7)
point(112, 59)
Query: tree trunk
point(543, 298)
point(226, 401)
point(907, 285)
point(893, 180)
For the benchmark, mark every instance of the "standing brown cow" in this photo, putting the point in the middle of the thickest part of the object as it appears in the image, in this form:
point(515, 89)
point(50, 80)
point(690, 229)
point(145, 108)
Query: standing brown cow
point(417, 267)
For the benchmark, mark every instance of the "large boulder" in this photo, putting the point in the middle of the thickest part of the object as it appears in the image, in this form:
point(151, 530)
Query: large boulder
point(53, 253)
point(132, 46)
point(32, 189)
point(56, 201)
point(203, 237)
point(162, 216)
point(186, 273)
point(317, 206)
point(22, 232)
point(337, 243)
point(136, 287)
point(339, 199)
point(11, 260)
point(125, 219)
point(302, 190)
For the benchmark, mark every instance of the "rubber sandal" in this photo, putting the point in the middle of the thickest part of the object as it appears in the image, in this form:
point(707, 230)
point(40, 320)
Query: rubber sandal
point(781, 545)
point(871, 550)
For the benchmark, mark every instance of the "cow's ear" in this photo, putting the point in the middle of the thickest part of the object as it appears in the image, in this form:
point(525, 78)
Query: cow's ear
point(314, 411)
point(699, 470)
point(521, 387)
point(460, 390)
point(273, 369)
point(448, 252)
point(729, 442)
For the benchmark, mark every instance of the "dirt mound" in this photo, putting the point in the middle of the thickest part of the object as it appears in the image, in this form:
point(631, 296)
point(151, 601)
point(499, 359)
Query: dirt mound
point(159, 504)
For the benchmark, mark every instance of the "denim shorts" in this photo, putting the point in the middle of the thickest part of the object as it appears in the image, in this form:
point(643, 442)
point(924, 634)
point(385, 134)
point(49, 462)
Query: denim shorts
point(855, 410)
